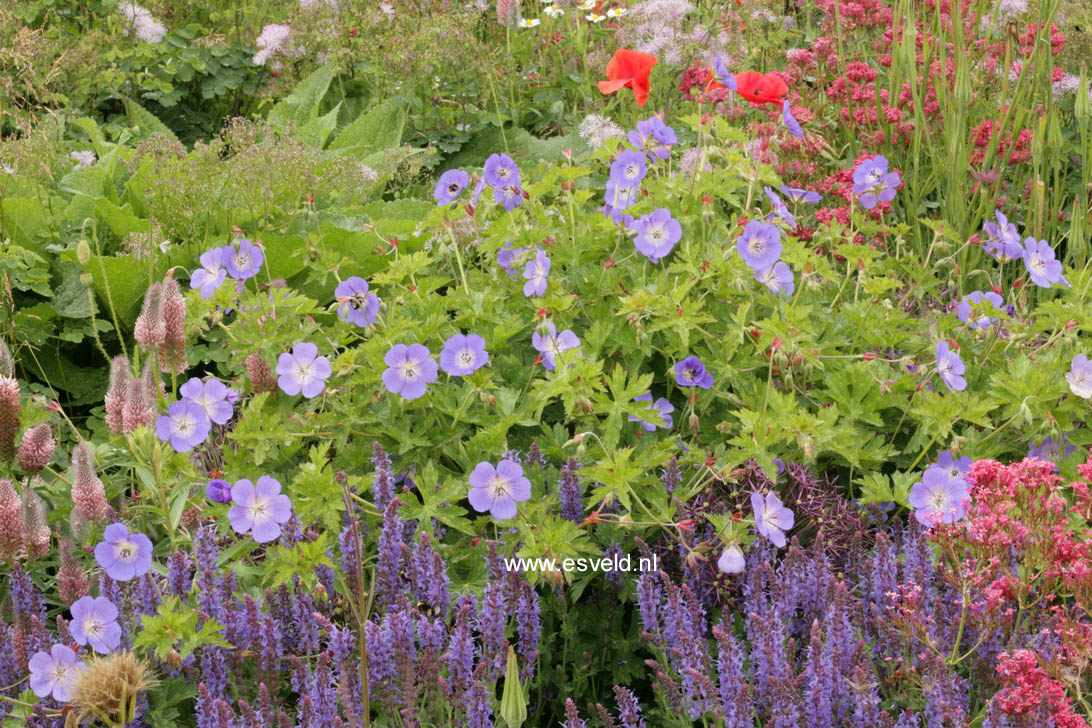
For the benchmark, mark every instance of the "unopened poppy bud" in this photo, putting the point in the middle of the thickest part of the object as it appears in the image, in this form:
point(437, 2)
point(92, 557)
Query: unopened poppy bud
point(585, 405)
point(868, 355)
point(83, 252)
point(693, 422)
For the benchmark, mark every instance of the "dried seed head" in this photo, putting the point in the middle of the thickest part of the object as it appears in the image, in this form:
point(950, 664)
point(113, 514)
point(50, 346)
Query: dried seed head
point(108, 685)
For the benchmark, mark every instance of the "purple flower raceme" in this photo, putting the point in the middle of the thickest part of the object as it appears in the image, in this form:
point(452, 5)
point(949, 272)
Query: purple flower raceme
point(211, 273)
point(977, 320)
point(243, 259)
point(501, 171)
point(759, 245)
point(809, 196)
point(777, 277)
point(549, 343)
point(1043, 269)
point(1080, 376)
point(259, 509)
point(450, 185)
point(938, 497)
point(124, 555)
point(53, 673)
point(955, 467)
point(772, 518)
point(950, 367)
point(356, 305)
point(790, 121)
point(211, 396)
point(95, 623)
point(409, 370)
point(657, 234)
point(1003, 239)
point(690, 372)
point(653, 137)
point(731, 560)
point(463, 354)
point(661, 407)
point(218, 491)
point(498, 489)
point(303, 371)
point(536, 272)
point(779, 206)
point(185, 426)
point(507, 257)
point(628, 168)
point(873, 184)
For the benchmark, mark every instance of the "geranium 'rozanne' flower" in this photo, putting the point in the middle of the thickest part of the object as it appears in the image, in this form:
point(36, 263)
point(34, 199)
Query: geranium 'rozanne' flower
point(463, 355)
point(501, 171)
point(731, 560)
point(872, 183)
point(243, 259)
point(1051, 449)
point(1043, 269)
point(759, 245)
point(777, 277)
point(52, 673)
point(185, 426)
point(218, 491)
point(657, 234)
point(259, 509)
point(690, 372)
point(809, 196)
point(211, 273)
point(790, 121)
point(95, 623)
point(723, 75)
point(779, 206)
point(772, 518)
point(950, 367)
point(303, 371)
point(536, 273)
point(938, 497)
point(1003, 240)
point(628, 168)
point(124, 555)
point(977, 320)
point(507, 257)
point(210, 396)
point(498, 489)
point(955, 467)
point(356, 305)
point(661, 407)
point(1080, 376)
point(409, 370)
point(653, 137)
point(549, 343)
point(450, 185)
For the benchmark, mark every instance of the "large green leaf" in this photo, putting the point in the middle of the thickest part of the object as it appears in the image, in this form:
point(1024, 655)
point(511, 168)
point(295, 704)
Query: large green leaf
point(378, 129)
point(302, 104)
point(146, 121)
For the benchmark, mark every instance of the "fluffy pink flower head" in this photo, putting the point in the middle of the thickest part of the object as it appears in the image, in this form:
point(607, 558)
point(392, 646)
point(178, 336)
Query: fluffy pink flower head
point(36, 448)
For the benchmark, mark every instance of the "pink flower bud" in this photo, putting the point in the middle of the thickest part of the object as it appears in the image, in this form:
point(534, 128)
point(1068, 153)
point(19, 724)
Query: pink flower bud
point(149, 330)
point(87, 491)
point(9, 416)
point(173, 310)
point(36, 448)
point(10, 521)
point(261, 376)
point(71, 579)
point(116, 394)
point(35, 531)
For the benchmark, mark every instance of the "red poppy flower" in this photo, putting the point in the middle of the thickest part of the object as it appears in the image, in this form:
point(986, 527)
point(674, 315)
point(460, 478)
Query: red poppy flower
point(629, 69)
point(760, 88)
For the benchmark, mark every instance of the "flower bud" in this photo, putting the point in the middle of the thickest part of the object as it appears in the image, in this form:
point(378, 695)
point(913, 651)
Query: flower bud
point(88, 494)
point(10, 520)
point(36, 448)
point(9, 416)
point(83, 252)
point(261, 376)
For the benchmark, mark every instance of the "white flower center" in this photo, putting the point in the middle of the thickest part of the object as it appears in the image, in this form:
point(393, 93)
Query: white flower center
point(657, 233)
point(498, 486)
point(939, 500)
point(260, 508)
point(126, 550)
point(408, 370)
point(757, 246)
point(242, 261)
point(184, 424)
point(465, 358)
point(303, 371)
point(93, 626)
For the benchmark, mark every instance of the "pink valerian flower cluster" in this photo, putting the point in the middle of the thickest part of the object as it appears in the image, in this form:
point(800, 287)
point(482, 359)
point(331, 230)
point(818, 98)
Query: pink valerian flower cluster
point(161, 326)
point(130, 400)
point(1026, 687)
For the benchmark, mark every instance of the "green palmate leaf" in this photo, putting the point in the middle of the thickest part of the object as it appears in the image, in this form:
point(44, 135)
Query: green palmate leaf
point(259, 433)
point(316, 496)
point(173, 634)
point(283, 565)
